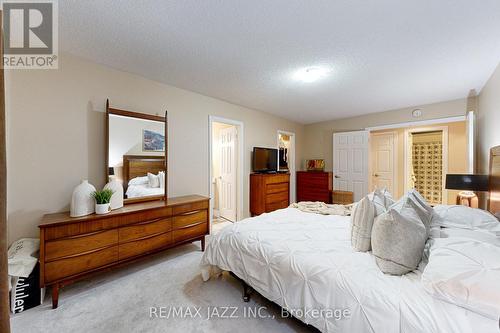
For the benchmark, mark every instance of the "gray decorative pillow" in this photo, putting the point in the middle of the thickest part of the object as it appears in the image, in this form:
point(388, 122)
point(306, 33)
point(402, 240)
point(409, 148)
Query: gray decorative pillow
point(398, 241)
point(362, 222)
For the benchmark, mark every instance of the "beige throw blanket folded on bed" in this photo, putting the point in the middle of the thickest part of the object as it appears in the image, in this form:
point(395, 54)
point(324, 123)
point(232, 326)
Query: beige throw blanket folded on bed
point(323, 208)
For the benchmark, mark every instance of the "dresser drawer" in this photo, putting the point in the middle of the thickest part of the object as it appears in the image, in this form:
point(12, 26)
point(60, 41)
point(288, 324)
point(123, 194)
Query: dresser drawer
point(144, 245)
point(79, 228)
point(190, 218)
point(278, 179)
point(190, 207)
point(276, 205)
point(314, 195)
point(144, 229)
point(276, 188)
point(72, 245)
point(190, 232)
point(63, 268)
point(277, 197)
point(313, 180)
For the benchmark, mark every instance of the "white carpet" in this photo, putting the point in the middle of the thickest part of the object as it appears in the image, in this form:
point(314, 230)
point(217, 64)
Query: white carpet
point(120, 301)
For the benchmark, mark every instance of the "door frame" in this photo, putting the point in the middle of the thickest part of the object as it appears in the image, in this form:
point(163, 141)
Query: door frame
point(4, 285)
point(407, 155)
point(395, 173)
point(240, 127)
point(291, 165)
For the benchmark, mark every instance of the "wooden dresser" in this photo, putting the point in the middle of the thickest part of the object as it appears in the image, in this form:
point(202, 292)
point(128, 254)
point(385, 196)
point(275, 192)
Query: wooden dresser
point(269, 192)
point(72, 248)
point(314, 186)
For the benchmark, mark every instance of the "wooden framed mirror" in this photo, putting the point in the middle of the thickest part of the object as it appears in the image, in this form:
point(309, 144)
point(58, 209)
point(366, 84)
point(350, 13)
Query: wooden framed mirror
point(136, 153)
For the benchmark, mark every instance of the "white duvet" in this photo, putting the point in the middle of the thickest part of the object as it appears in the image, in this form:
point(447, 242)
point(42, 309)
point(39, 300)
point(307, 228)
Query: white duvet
point(304, 261)
point(143, 190)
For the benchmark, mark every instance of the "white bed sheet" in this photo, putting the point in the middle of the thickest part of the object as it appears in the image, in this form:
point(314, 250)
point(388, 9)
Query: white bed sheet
point(143, 190)
point(305, 261)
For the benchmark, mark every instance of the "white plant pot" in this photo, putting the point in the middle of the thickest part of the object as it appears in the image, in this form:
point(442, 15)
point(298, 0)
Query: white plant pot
point(82, 202)
point(102, 208)
point(117, 197)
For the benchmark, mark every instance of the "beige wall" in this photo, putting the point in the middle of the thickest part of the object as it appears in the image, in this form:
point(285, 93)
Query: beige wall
point(55, 125)
point(488, 120)
point(457, 153)
point(318, 137)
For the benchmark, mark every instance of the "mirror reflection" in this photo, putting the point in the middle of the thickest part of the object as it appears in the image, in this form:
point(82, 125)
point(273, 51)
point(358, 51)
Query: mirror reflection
point(136, 155)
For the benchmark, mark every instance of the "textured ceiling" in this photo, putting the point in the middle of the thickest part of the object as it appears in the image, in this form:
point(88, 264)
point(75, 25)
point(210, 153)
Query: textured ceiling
point(384, 54)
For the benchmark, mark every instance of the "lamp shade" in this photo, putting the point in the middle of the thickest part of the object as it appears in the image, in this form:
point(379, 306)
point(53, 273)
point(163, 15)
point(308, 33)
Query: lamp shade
point(467, 182)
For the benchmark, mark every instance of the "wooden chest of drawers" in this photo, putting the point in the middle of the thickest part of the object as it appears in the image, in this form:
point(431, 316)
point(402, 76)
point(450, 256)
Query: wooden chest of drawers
point(269, 192)
point(314, 186)
point(72, 248)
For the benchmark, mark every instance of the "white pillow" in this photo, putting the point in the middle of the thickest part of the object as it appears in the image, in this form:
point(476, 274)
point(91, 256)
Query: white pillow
point(421, 200)
point(362, 223)
point(22, 256)
point(457, 216)
point(382, 200)
point(466, 273)
point(154, 180)
point(478, 235)
point(420, 206)
point(161, 176)
point(139, 181)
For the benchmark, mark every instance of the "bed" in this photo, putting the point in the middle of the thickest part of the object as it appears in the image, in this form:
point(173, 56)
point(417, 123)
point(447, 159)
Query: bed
point(136, 166)
point(305, 263)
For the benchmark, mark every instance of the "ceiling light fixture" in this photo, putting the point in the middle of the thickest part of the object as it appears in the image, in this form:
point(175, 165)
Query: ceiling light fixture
point(311, 74)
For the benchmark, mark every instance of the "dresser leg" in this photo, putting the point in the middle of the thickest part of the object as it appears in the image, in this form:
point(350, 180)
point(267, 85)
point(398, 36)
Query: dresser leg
point(55, 295)
point(202, 243)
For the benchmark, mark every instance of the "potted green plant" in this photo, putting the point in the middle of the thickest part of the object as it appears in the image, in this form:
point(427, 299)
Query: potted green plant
point(102, 200)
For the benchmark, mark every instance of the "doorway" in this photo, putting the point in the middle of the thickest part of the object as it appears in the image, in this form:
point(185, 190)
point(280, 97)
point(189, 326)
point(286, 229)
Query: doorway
point(426, 162)
point(225, 168)
point(286, 158)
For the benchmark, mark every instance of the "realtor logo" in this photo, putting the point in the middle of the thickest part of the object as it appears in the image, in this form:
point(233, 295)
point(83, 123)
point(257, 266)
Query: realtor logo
point(30, 34)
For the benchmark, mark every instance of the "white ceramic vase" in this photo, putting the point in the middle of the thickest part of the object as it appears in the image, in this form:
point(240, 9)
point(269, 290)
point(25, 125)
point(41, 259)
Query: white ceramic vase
point(117, 197)
point(82, 201)
point(102, 208)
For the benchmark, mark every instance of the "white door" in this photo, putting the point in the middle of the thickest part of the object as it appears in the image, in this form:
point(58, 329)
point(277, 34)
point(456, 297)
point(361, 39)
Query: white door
point(350, 162)
point(382, 161)
point(227, 203)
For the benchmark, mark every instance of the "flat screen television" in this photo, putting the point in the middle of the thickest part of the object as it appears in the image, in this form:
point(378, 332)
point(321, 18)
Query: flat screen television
point(265, 160)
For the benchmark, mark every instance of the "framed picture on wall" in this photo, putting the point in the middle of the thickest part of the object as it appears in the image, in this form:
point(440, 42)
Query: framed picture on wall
point(152, 141)
point(315, 165)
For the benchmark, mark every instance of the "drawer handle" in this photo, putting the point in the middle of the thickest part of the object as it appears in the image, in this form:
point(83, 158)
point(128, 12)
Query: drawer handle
point(144, 237)
point(191, 225)
point(146, 222)
point(191, 213)
point(83, 235)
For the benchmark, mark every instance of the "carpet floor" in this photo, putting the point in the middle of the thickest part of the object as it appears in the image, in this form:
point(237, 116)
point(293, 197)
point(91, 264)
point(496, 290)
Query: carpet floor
point(164, 293)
